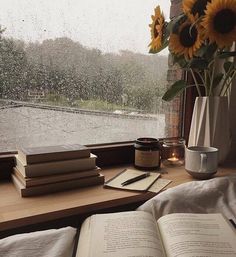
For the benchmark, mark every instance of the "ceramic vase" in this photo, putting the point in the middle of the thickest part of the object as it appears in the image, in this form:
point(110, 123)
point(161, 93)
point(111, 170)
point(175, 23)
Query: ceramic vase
point(210, 124)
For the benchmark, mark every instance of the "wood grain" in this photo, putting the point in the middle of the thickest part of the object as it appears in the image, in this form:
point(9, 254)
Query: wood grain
point(18, 212)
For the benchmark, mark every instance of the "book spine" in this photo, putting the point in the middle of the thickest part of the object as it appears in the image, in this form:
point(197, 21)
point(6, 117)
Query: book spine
point(61, 186)
point(36, 171)
point(44, 181)
point(52, 168)
point(29, 182)
point(49, 157)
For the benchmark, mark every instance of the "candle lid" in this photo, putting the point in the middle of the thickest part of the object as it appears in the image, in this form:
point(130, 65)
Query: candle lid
point(147, 143)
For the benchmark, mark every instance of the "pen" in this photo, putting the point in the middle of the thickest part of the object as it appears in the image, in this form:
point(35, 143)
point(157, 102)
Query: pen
point(129, 181)
point(233, 223)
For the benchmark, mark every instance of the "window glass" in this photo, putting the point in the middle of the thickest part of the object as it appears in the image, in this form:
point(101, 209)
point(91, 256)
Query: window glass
point(76, 71)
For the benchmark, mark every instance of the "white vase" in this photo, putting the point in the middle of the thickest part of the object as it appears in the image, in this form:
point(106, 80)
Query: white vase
point(210, 124)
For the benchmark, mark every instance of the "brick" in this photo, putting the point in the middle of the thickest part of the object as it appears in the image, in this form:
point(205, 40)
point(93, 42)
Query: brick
point(175, 9)
point(172, 109)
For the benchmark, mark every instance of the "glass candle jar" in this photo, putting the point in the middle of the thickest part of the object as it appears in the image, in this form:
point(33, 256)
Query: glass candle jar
point(147, 153)
point(172, 151)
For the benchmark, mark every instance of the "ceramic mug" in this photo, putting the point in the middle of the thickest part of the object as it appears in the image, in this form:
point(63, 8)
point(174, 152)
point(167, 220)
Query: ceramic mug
point(201, 159)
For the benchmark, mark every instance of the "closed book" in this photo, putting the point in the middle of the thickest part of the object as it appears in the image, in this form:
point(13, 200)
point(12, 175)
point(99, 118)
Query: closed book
point(30, 155)
point(56, 187)
point(29, 182)
point(58, 167)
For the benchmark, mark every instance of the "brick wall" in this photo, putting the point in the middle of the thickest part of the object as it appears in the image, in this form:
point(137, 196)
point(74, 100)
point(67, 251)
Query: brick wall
point(173, 109)
point(175, 9)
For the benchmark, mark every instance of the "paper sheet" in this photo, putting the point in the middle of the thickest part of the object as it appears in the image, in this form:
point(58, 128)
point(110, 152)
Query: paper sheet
point(159, 185)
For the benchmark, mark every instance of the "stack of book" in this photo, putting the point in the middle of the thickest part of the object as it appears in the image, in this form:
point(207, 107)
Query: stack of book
point(42, 170)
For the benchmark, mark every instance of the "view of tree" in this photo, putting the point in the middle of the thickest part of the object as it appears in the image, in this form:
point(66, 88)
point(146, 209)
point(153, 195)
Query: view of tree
point(68, 72)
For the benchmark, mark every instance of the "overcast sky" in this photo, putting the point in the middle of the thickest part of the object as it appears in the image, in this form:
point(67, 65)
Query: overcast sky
point(110, 25)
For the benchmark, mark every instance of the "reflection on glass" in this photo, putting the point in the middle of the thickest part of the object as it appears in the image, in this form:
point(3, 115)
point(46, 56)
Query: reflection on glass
point(173, 151)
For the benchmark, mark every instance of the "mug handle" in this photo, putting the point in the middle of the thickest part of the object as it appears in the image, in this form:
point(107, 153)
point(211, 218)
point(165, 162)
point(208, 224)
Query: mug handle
point(203, 166)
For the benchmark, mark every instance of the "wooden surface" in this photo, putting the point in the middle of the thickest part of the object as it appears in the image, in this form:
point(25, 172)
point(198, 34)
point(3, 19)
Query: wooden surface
point(16, 212)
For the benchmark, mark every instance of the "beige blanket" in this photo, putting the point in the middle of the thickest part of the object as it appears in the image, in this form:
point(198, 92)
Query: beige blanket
point(48, 243)
point(217, 195)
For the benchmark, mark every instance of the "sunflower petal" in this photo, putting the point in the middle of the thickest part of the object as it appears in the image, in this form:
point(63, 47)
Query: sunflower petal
point(220, 22)
point(157, 31)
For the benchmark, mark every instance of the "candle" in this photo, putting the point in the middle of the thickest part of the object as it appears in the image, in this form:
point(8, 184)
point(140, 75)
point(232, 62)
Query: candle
point(172, 151)
point(173, 160)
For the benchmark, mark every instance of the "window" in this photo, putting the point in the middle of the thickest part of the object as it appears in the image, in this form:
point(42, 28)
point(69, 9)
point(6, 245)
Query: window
point(75, 71)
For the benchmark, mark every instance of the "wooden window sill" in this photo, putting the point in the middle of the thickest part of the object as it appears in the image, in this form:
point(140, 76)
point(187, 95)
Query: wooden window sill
point(70, 207)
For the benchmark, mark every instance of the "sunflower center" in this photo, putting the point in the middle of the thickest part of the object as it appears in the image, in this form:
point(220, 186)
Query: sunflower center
point(188, 36)
point(224, 21)
point(199, 7)
point(156, 32)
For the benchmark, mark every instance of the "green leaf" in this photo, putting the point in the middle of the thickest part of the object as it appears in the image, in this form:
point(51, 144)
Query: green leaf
point(165, 44)
point(175, 89)
point(227, 54)
point(207, 51)
point(201, 51)
point(217, 79)
point(169, 26)
point(180, 60)
point(176, 23)
point(198, 63)
point(166, 29)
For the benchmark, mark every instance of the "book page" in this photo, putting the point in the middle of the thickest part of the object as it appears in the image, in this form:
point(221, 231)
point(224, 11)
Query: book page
point(197, 235)
point(126, 234)
point(84, 243)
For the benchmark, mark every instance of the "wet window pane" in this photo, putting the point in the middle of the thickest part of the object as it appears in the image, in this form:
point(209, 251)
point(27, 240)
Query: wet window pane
point(75, 71)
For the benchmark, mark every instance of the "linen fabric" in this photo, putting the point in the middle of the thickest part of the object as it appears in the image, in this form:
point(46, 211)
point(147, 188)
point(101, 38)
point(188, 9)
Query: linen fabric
point(217, 195)
point(47, 243)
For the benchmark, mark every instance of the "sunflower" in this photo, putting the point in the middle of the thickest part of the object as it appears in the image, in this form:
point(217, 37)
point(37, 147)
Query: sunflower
point(157, 29)
point(194, 8)
point(187, 39)
point(220, 22)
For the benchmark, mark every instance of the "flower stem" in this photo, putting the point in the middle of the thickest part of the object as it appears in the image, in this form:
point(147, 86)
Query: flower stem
point(205, 79)
point(229, 83)
point(212, 78)
point(208, 82)
point(200, 76)
point(225, 80)
point(196, 83)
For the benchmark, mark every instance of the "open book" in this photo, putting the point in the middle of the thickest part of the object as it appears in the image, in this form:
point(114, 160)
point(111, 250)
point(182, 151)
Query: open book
point(138, 234)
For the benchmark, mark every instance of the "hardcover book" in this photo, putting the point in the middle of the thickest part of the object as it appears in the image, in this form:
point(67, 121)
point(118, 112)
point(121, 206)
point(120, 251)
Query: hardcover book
point(57, 167)
point(138, 234)
point(30, 155)
point(56, 187)
point(29, 182)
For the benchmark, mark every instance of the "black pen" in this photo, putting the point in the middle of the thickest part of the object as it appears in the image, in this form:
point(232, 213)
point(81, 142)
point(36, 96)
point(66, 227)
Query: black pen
point(129, 181)
point(233, 223)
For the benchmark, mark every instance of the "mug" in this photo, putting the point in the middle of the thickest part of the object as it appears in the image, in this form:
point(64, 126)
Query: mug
point(201, 159)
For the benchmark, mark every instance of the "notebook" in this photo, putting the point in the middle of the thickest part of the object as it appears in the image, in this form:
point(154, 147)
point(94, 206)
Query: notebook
point(140, 185)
